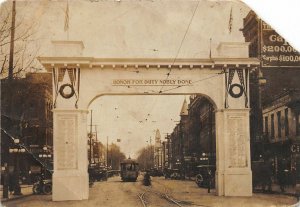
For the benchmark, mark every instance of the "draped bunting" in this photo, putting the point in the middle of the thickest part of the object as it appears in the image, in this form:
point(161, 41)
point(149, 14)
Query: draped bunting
point(74, 78)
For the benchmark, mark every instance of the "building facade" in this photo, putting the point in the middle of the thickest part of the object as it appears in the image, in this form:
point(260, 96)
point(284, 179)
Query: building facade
point(273, 97)
point(192, 141)
point(282, 134)
point(26, 115)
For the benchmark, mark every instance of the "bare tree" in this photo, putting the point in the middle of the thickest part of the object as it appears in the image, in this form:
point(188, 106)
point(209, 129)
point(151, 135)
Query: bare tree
point(25, 47)
point(146, 157)
point(115, 156)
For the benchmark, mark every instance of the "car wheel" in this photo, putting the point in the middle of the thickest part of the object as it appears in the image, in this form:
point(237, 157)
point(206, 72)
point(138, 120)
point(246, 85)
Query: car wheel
point(47, 189)
point(35, 189)
point(199, 180)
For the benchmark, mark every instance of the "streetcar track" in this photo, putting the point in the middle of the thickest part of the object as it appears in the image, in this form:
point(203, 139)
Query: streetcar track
point(141, 196)
point(168, 190)
point(161, 195)
point(165, 195)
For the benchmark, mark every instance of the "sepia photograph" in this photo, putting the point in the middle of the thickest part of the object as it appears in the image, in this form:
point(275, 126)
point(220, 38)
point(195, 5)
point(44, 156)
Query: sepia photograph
point(148, 103)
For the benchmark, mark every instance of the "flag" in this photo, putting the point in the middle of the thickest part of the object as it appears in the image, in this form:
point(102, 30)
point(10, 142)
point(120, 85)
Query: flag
point(67, 17)
point(118, 140)
point(230, 21)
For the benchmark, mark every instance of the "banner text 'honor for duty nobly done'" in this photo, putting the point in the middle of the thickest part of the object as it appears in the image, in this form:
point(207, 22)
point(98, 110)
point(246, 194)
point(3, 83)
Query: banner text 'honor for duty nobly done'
point(150, 82)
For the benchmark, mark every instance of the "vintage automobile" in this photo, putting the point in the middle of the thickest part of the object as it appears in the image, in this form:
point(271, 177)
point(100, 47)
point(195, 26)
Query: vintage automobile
point(205, 175)
point(261, 175)
point(172, 174)
point(155, 172)
point(97, 173)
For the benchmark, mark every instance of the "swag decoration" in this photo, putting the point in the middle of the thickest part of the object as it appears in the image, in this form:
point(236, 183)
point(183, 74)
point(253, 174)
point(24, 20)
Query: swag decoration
point(66, 83)
point(236, 90)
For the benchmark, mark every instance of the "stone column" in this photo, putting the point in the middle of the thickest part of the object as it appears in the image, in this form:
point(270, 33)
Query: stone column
point(70, 178)
point(233, 175)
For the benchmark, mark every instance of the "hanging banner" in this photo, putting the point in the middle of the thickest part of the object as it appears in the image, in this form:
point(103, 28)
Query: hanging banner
point(275, 50)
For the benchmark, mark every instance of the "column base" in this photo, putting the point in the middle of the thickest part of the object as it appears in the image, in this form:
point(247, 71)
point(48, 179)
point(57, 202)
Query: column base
point(219, 182)
point(237, 183)
point(70, 187)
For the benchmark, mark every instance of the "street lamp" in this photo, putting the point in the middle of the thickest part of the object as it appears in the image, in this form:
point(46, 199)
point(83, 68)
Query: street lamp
point(44, 156)
point(17, 151)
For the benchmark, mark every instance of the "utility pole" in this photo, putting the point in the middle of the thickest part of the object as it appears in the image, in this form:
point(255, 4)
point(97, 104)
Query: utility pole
point(107, 152)
point(10, 77)
point(96, 133)
point(97, 146)
point(151, 153)
point(12, 42)
point(90, 136)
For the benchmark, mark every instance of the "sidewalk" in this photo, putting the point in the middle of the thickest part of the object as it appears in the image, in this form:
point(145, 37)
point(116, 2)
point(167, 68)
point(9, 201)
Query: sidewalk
point(289, 190)
point(25, 189)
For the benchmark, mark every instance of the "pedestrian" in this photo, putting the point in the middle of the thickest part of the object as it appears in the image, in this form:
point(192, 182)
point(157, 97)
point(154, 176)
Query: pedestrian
point(147, 179)
point(267, 176)
point(209, 178)
point(11, 184)
point(282, 176)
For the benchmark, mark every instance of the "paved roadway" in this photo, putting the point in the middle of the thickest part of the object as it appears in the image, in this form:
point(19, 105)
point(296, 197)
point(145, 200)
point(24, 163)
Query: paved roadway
point(162, 193)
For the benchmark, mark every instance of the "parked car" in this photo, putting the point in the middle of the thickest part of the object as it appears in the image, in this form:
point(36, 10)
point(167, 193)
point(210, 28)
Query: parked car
point(261, 175)
point(206, 175)
point(97, 173)
point(155, 172)
point(172, 173)
point(42, 186)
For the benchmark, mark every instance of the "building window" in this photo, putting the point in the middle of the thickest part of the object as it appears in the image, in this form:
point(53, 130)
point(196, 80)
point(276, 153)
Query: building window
point(279, 123)
point(267, 126)
point(272, 126)
point(286, 121)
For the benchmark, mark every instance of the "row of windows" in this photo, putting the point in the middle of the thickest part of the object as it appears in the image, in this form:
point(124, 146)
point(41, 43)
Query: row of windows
point(282, 118)
point(281, 123)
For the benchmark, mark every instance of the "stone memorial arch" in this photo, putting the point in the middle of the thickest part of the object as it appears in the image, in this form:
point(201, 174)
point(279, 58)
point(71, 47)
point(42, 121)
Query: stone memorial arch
point(78, 80)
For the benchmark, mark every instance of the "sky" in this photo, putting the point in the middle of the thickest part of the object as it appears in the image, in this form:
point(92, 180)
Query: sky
point(131, 29)
point(135, 119)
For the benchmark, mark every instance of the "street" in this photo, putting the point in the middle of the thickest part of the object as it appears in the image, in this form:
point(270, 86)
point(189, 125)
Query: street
point(162, 193)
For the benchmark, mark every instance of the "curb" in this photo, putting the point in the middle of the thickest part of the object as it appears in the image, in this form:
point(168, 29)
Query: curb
point(277, 193)
point(15, 198)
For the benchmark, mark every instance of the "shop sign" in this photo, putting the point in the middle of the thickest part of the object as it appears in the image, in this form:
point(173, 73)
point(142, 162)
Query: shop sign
point(275, 50)
point(295, 148)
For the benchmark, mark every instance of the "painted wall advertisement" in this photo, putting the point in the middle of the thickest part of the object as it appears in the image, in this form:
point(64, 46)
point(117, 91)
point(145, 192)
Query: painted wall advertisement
point(275, 50)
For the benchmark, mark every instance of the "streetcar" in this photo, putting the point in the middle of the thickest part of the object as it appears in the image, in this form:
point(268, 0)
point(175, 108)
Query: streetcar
point(129, 170)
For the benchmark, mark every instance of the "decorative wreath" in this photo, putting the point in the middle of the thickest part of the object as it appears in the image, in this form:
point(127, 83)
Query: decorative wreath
point(233, 94)
point(66, 95)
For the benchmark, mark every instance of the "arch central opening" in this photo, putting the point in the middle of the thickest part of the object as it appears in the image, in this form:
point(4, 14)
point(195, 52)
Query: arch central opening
point(170, 135)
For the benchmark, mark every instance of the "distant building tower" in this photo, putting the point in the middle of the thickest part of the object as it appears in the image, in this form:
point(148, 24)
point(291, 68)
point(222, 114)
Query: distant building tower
point(184, 109)
point(183, 135)
point(158, 151)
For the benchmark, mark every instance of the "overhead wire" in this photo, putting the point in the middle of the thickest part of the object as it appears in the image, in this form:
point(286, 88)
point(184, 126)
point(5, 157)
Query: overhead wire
point(176, 56)
point(28, 151)
point(181, 43)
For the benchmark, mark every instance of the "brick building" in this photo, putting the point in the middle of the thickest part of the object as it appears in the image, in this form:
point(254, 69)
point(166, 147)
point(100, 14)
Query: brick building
point(193, 139)
point(26, 115)
point(282, 134)
point(274, 96)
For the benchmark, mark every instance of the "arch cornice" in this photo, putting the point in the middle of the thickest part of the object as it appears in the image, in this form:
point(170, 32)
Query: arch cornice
point(92, 62)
